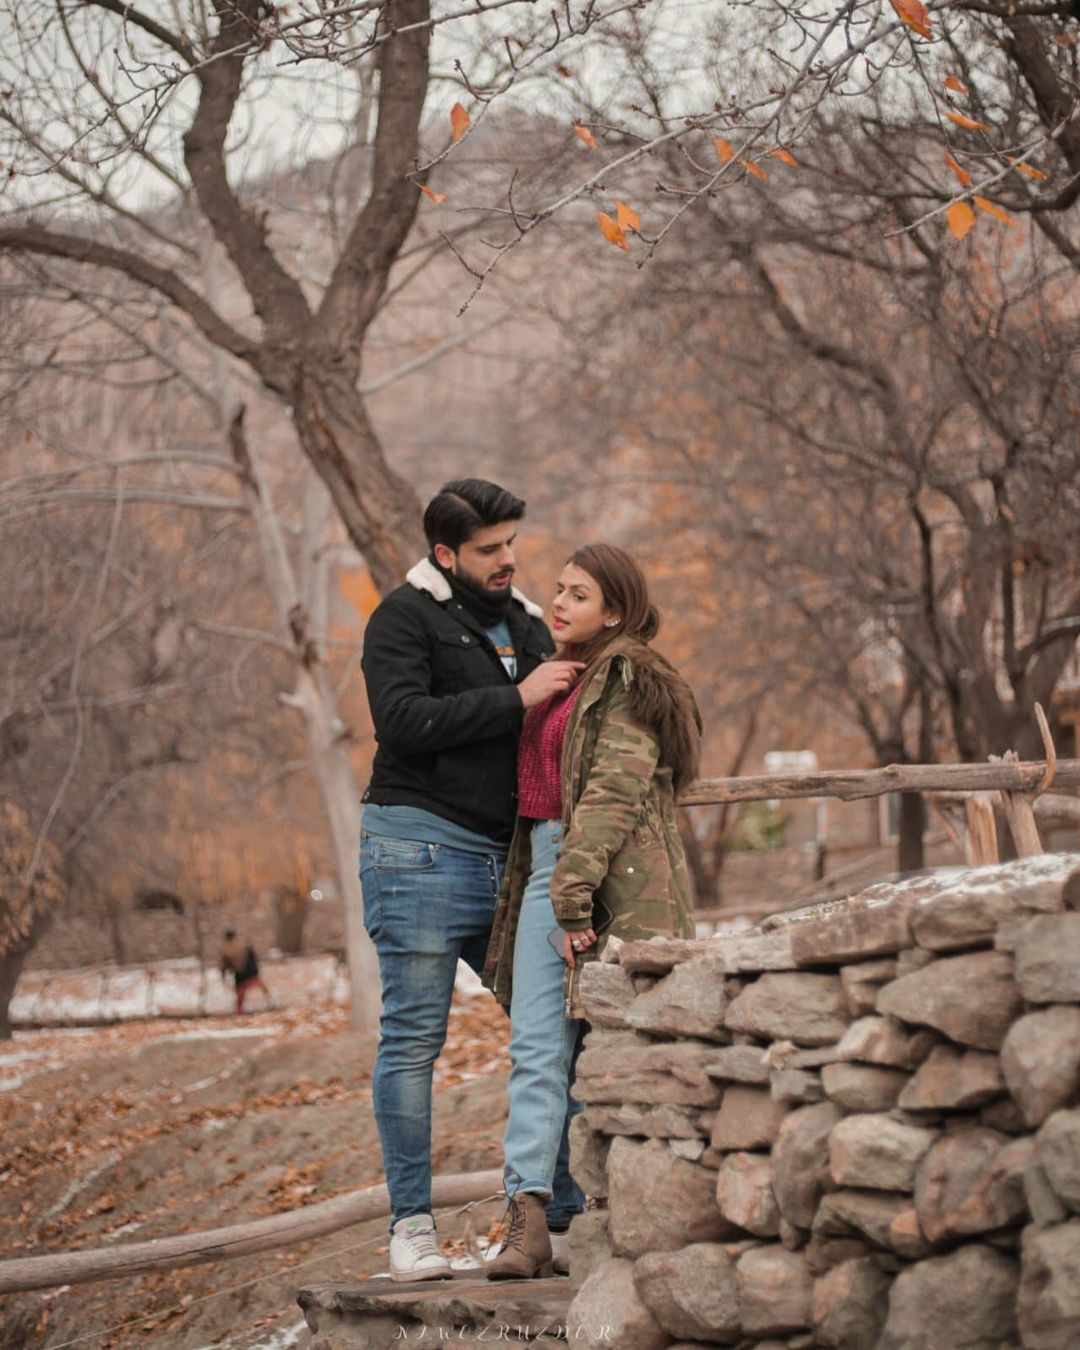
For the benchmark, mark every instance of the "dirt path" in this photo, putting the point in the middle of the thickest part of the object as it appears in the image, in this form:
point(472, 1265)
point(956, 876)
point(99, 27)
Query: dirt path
point(162, 1128)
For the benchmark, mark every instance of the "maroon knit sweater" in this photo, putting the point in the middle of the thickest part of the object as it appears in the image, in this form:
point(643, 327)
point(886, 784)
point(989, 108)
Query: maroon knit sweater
point(540, 756)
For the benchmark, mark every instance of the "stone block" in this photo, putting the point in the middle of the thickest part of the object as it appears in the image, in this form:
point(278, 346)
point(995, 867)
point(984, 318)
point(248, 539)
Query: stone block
point(790, 1085)
point(650, 1122)
point(847, 1309)
point(862, 982)
point(659, 1202)
point(876, 1152)
point(1059, 1156)
point(607, 1311)
point(866, 925)
point(861, 1214)
point(972, 999)
point(967, 1299)
point(862, 1087)
point(1044, 1204)
point(588, 1157)
point(951, 1079)
point(882, 1040)
point(589, 1247)
point(800, 1160)
point(1049, 1300)
point(690, 1001)
point(797, 1006)
point(906, 1237)
point(744, 1193)
point(748, 1118)
point(1048, 959)
point(606, 994)
point(620, 1067)
point(692, 1292)
point(729, 953)
point(967, 910)
point(971, 1182)
point(738, 1064)
point(775, 1289)
point(1041, 1062)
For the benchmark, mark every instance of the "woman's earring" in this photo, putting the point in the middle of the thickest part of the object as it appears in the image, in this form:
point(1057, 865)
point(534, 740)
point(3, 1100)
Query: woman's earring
point(611, 623)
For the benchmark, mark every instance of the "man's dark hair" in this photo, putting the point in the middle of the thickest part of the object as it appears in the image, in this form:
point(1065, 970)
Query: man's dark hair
point(466, 505)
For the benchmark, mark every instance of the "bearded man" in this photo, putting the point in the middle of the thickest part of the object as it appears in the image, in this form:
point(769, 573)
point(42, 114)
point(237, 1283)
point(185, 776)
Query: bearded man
point(452, 659)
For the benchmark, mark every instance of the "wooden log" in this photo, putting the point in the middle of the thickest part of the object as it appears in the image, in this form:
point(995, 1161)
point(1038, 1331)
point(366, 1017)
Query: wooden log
point(981, 843)
point(224, 1244)
point(852, 784)
point(1020, 814)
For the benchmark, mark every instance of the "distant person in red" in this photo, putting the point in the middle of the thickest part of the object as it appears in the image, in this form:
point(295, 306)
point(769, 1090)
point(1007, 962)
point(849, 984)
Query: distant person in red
point(239, 957)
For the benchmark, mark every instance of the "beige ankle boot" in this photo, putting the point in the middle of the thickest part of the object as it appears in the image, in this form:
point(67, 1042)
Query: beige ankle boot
point(526, 1253)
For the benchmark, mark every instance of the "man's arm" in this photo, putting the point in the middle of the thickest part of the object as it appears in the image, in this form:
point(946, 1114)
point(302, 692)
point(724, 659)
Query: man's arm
point(408, 718)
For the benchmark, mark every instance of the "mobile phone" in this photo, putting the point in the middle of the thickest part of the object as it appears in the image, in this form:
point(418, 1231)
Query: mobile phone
point(602, 918)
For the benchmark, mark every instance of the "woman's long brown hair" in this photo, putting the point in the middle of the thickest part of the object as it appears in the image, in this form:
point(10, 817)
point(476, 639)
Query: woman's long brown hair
point(624, 589)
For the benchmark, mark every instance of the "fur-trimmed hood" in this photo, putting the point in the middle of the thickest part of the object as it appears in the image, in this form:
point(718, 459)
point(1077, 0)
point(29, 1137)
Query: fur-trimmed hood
point(662, 700)
point(425, 576)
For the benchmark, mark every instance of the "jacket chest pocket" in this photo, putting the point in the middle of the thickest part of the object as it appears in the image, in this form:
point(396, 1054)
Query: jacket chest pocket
point(463, 661)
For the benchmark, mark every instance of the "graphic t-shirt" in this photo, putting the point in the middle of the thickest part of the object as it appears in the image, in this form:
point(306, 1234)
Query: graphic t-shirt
point(504, 645)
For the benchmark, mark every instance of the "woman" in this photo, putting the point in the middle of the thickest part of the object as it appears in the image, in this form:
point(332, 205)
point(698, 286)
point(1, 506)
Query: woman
point(596, 851)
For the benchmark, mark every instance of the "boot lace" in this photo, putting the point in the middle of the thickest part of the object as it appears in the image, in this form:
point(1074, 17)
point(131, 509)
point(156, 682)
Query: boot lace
point(516, 1236)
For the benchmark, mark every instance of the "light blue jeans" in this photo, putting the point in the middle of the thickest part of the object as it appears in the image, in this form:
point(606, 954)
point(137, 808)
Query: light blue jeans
point(543, 1045)
point(425, 905)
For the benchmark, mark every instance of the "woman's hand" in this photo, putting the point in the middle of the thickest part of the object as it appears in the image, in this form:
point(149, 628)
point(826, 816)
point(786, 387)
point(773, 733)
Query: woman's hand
point(576, 943)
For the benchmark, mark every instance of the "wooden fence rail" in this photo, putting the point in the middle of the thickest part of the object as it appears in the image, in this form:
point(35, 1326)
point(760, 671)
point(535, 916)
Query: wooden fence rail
point(852, 784)
point(242, 1239)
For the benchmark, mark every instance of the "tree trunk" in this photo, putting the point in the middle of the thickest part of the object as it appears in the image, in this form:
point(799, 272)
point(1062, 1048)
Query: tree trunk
point(11, 964)
point(911, 828)
point(302, 616)
point(382, 512)
point(333, 772)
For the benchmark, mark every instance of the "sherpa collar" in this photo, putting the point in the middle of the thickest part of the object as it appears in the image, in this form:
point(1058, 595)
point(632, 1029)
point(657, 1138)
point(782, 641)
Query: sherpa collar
point(425, 576)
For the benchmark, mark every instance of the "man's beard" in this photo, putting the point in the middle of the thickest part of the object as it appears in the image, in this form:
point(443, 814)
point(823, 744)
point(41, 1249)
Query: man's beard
point(489, 606)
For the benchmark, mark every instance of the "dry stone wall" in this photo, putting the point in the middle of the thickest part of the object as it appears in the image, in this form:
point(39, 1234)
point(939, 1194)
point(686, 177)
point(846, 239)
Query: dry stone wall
point(855, 1126)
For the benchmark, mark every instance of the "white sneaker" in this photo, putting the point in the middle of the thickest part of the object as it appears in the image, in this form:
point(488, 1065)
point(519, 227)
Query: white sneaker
point(560, 1252)
point(414, 1251)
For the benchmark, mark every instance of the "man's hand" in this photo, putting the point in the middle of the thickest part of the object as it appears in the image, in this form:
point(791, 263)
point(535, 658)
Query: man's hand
point(551, 677)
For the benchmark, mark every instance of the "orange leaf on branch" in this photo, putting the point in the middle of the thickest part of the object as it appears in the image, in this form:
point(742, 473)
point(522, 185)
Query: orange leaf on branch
point(724, 152)
point(968, 123)
point(460, 121)
point(915, 14)
point(753, 168)
point(785, 157)
point(1029, 169)
point(626, 217)
point(992, 209)
point(612, 231)
point(962, 174)
point(585, 135)
point(961, 218)
point(436, 197)
point(956, 84)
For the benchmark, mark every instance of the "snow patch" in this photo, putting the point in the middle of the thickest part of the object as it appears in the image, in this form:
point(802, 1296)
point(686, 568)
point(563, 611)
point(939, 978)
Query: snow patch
point(219, 1034)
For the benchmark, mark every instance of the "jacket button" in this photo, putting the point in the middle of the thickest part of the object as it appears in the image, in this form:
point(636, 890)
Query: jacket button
point(629, 869)
point(465, 638)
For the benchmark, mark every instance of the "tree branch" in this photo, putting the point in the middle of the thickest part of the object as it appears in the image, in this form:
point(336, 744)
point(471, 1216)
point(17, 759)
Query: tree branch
point(75, 248)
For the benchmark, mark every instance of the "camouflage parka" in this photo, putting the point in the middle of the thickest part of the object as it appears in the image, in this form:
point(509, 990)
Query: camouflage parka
point(631, 744)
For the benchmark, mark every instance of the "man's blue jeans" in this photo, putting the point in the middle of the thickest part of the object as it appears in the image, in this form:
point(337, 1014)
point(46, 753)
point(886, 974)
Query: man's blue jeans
point(425, 907)
point(543, 1044)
